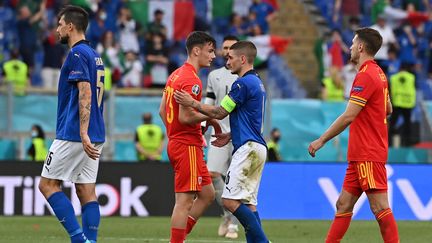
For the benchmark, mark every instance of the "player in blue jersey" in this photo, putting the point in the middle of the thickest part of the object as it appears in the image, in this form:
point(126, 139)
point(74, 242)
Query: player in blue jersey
point(245, 105)
point(80, 134)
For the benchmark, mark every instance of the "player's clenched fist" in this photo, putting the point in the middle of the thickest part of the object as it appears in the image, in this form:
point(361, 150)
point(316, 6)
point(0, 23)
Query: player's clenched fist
point(315, 146)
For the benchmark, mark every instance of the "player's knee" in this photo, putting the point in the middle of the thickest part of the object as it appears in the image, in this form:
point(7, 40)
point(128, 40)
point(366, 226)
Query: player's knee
point(376, 208)
point(343, 207)
point(230, 205)
point(47, 186)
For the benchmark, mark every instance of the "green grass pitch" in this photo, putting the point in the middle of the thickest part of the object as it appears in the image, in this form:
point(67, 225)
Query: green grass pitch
point(156, 229)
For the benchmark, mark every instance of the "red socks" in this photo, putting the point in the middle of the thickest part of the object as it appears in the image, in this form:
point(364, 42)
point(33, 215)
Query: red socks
point(338, 228)
point(388, 227)
point(177, 235)
point(190, 224)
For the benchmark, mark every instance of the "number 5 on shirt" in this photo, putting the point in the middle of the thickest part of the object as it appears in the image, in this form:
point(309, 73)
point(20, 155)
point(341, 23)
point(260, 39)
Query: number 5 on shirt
point(100, 85)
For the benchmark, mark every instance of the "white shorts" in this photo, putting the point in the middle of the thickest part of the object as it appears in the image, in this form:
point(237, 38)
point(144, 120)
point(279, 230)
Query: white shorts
point(244, 174)
point(67, 161)
point(219, 158)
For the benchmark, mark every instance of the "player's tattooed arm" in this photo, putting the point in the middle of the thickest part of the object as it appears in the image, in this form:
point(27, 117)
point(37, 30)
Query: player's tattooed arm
point(185, 99)
point(84, 100)
point(216, 112)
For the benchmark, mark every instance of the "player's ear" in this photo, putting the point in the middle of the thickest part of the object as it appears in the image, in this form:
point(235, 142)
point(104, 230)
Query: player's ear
point(196, 50)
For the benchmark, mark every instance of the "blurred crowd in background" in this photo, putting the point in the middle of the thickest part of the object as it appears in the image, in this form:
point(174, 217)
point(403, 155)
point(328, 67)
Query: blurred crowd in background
point(140, 41)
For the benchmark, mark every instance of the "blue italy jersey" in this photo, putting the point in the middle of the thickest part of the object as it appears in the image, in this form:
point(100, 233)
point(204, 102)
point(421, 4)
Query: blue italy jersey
point(247, 119)
point(82, 64)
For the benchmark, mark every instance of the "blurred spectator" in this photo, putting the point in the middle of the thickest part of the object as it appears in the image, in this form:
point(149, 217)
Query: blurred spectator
point(388, 37)
point(337, 49)
point(407, 43)
point(237, 25)
point(348, 75)
point(38, 150)
point(112, 8)
point(15, 72)
point(149, 140)
point(7, 30)
point(110, 53)
point(128, 34)
point(53, 58)
point(393, 63)
point(265, 13)
point(250, 23)
point(157, 60)
point(96, 28)
point(156, 26)
point(333, 87)
point(348, 33)
point(273, 153)
point(345, 10)
point(131, 75)
point(403, 96)
point(28, 32)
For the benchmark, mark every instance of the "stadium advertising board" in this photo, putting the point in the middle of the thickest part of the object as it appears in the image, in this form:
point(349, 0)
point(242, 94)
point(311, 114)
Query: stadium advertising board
point(124, 189)
point(310, 191)
point(288, 190)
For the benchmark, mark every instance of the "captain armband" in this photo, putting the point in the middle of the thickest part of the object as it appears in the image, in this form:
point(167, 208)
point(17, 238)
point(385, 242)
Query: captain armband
point(228, 104)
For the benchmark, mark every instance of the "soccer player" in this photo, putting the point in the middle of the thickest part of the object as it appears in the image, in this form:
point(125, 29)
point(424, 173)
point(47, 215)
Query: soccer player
point(366, 114)
point(80, 133)
point(194, 191)
point(218, 159)
point(245, 105)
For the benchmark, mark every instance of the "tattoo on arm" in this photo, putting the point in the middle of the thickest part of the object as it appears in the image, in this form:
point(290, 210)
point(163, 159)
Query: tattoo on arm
point(211, 111)
point(84, 99)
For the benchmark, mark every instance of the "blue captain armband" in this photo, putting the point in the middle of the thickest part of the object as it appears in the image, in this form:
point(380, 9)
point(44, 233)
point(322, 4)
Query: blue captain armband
point(228, 104)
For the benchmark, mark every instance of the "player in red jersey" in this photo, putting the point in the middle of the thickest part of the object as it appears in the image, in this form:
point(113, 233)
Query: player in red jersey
point(194, 191)
point(366, 113)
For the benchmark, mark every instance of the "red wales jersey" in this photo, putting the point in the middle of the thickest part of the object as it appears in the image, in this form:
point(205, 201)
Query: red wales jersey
point(368, 139)
point(184, 78)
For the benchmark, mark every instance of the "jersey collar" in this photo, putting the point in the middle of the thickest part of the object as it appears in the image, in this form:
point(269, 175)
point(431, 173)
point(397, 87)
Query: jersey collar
point(252, 71)
point(86, 42)
point(190, 66)
point(367, 62)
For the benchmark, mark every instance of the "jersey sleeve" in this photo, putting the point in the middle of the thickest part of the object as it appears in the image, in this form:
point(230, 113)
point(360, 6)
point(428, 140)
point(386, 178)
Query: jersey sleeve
point(79, 68)
point(211, 95)
point(362, 89)
point(238, 92)
point(193, 87)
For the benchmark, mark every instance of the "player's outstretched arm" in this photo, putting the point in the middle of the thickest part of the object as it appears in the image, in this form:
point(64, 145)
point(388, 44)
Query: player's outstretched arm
point(338, 126)
point(222, 139)
point(215, 112)
point(84, 99)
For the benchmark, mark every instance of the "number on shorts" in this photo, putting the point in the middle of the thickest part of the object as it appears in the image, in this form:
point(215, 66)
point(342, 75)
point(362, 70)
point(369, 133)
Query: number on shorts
point(49, 158)
point(227, 179)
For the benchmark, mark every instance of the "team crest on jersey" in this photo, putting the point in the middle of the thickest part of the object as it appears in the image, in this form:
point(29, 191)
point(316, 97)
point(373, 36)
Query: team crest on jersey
point(199, 180)
point(196, 89)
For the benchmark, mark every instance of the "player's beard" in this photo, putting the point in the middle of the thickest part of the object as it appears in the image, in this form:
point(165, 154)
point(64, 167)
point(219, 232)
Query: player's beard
point(354, 59)
point(64, 39)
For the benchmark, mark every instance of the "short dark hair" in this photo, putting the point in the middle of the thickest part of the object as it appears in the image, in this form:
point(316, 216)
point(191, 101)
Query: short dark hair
point(75, 15)
point(371, 38)
point(246, 48)
point(231, 38)
point(198, 38)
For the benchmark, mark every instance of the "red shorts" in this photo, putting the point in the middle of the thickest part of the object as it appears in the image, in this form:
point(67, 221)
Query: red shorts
point(190, 170)
point(365, 176)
